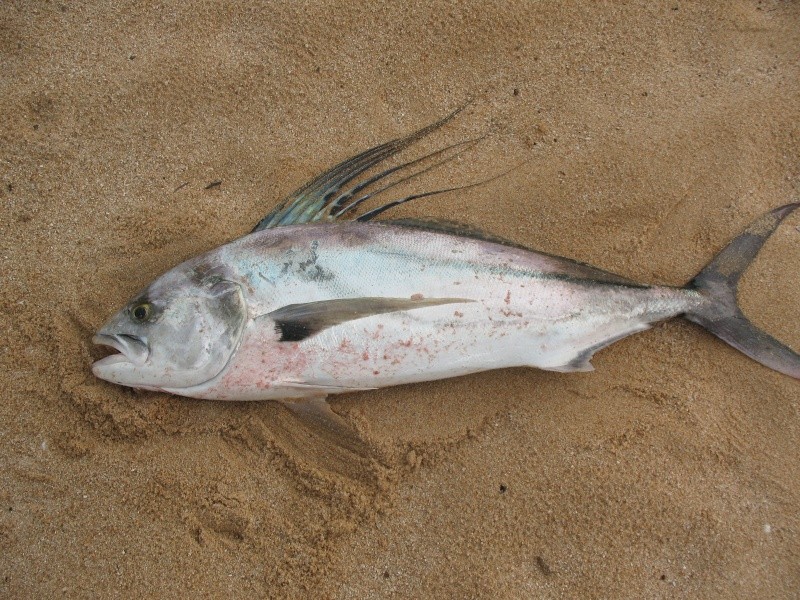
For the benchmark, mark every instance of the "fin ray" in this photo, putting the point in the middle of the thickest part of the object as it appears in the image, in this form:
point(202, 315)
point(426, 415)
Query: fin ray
point(368, 216)
point(335, 211)
point(303, 205)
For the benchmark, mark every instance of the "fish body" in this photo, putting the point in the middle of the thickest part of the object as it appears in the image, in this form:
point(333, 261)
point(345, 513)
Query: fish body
point(505, 307)
point(307, 306)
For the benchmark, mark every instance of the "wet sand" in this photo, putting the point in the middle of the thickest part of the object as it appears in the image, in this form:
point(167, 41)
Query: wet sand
point(647, 135)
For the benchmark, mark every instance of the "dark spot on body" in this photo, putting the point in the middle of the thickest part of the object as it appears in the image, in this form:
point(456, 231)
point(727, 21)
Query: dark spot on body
point(310, 270)
point(319, 274)
point(503, 488)
point(213, 184)
point(386, 574)
point(303, 265)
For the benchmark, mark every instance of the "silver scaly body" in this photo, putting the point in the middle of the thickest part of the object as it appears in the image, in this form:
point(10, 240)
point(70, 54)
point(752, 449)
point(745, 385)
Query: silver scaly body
point(512, 308)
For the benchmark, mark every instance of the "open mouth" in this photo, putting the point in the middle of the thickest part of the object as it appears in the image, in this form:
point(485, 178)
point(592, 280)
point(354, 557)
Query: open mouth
point(130, 348)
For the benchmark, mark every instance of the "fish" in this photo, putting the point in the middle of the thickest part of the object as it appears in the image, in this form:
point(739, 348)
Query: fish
point(316, 301)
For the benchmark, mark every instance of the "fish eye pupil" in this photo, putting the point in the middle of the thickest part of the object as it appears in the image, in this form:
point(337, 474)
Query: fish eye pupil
point(141, 312)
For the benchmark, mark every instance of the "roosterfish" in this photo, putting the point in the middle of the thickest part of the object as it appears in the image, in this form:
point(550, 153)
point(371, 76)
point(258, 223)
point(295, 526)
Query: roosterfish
point(313, 302)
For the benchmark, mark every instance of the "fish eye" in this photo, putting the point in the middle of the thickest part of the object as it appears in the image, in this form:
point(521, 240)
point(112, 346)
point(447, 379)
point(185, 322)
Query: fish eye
point(142, 312)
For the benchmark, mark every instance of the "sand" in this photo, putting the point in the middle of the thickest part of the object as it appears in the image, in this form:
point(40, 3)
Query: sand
point(646, 135)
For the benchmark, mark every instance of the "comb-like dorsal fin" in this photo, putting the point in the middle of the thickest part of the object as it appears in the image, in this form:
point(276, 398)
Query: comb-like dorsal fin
point(322, 198)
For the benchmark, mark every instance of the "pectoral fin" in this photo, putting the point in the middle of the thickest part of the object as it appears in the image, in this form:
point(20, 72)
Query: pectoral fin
point(296, 322)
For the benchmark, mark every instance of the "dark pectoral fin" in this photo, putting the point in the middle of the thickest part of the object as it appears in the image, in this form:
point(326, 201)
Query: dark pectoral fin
point(296, 322)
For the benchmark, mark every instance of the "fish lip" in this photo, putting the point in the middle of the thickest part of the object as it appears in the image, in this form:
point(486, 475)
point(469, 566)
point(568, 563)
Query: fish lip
point(131, 348)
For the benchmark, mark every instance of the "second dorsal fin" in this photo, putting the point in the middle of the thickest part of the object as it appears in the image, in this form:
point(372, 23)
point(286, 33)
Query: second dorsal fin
point(568, 268)
point(454, 228)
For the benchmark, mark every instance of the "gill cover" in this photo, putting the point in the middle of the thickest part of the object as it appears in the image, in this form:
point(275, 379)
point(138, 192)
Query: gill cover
point(193, 330)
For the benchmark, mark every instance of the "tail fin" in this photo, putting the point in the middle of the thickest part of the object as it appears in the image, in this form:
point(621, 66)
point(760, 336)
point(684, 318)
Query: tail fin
point(722, 316)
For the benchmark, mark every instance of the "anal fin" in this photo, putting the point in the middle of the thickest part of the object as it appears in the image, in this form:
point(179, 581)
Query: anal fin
point(581, 362)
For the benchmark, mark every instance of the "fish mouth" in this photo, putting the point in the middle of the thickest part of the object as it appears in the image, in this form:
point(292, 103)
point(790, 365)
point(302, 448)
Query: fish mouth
point(130, 348)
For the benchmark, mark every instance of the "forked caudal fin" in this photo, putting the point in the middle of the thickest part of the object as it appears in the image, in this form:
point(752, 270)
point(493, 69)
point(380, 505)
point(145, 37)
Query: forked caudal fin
point(723, 317)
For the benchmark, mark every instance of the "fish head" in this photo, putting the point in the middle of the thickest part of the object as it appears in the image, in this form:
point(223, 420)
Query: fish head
point(181, 331)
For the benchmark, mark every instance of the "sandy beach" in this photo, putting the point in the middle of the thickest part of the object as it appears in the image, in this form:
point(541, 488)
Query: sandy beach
point(643, 136)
